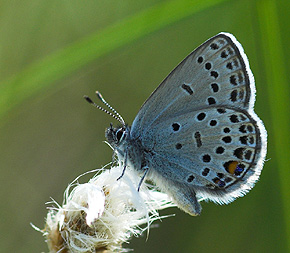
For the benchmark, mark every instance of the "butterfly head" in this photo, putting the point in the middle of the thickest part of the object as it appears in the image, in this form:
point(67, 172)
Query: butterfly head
point(116, 136)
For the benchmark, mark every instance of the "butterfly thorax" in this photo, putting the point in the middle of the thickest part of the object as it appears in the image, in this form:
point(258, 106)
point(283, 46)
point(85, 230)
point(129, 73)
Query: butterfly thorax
point(125, 147)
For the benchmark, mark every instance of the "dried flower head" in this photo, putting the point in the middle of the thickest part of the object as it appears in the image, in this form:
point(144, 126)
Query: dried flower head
point(99, 216)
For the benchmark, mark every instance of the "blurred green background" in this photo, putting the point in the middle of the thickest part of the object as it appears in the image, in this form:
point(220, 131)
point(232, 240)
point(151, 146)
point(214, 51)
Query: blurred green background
point(54, 52)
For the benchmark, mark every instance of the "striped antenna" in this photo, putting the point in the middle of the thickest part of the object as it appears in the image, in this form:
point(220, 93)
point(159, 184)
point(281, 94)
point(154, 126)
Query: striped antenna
point(118, 117)
point(110, 107)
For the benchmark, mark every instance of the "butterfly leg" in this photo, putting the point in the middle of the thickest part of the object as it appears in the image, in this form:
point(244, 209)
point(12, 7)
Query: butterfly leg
point(125, 165)
point(143, 177)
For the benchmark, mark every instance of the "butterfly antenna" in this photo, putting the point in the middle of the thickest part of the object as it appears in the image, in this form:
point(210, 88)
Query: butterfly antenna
point(110, 107)
point(104, 110)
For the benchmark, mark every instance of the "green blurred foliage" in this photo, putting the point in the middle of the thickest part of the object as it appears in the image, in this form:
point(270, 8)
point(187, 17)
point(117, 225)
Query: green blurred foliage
point(54, 52)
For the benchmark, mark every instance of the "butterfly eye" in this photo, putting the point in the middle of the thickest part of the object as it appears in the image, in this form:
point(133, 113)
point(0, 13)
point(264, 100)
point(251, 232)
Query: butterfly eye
point(119, 134)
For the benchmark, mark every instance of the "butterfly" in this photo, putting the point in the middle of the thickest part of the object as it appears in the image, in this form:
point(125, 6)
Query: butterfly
point(197, 136)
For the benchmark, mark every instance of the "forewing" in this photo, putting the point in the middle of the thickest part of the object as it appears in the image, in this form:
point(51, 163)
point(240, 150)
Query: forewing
point(216, 73)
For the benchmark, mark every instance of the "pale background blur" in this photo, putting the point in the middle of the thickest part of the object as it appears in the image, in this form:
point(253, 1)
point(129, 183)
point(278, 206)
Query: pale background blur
point(49, 134)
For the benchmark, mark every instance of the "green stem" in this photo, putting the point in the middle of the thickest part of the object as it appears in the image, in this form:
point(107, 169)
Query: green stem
point(278, 90)
point(63, 62)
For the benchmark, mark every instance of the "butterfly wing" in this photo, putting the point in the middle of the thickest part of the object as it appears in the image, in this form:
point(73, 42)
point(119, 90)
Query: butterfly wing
point(200, 125)
point(217, 72)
